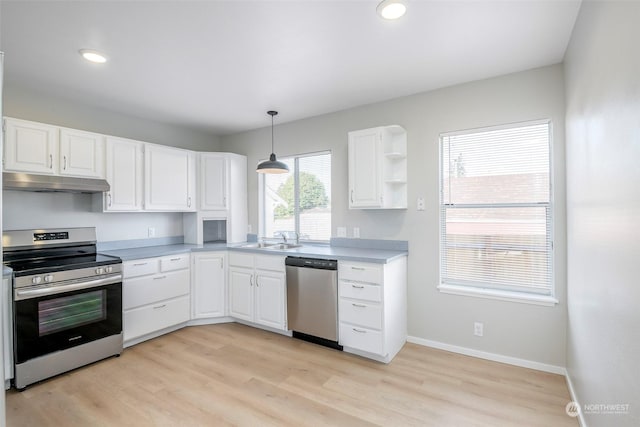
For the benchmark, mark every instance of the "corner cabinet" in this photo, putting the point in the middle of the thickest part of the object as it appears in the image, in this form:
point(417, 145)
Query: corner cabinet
point(125, 174)
point(257, 289)
point(208, 285)
point(372, 308)
point(170, 175)
point(378, 168)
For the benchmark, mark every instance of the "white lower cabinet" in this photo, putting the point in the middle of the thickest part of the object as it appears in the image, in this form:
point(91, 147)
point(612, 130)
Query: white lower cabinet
point(257, 289)
point(372, 308)
point(208, 293)
point(155, 295)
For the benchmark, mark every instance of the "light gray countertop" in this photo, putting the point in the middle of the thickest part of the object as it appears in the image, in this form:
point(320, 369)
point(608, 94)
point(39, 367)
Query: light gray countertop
point(379, 256)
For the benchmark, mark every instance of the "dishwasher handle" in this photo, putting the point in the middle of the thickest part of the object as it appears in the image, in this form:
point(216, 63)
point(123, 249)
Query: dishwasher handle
point(317, 263)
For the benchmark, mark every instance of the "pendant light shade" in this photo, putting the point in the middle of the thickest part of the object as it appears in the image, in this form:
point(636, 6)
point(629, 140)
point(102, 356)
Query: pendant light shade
point(273, 165)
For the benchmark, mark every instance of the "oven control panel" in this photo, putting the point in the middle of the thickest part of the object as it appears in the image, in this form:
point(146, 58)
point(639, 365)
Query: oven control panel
point(57, 235)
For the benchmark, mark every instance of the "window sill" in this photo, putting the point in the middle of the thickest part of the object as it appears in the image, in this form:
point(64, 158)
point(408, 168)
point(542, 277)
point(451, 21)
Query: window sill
point(499, 295)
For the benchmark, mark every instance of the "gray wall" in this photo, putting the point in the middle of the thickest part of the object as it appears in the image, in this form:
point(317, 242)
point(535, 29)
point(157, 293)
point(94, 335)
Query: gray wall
point(23, 103)
point(40, 210)
point(602, 72)
point(518, 330)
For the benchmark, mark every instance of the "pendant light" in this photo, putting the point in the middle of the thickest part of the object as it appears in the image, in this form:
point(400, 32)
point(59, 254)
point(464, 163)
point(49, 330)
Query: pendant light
point(272, 165)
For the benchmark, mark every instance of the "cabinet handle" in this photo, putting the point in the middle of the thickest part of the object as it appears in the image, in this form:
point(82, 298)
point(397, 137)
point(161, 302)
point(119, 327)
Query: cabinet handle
point(175, 259)
point(159, 306)
point(358, 286)
point(257, 284)
point(159, 277)
point(50, 161)
point(358, 268)
point(362, 331)
point(189, 201)
point(64, 161)
point(358, 305)
point(251, 280)
point(224, 201)
point(139, 264)
point(109, 195)
point(351, 196)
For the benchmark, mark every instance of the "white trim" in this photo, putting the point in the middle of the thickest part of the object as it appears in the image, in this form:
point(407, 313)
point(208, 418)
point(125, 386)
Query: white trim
point(498, 294)
point(496, 127)
point(574, 398)
point(524, 363)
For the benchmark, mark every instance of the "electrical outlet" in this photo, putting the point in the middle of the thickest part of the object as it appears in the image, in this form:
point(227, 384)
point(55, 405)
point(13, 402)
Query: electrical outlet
point(342, 231)
point(478, 329)
point(356, 232)
point(420, 203)
point(151, 232)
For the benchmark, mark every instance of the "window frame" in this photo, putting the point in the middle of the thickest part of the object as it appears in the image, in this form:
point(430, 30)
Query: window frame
point(296, 172)
point(494, 292)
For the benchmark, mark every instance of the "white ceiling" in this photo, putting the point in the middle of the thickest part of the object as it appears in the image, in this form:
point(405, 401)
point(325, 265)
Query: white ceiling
point(218, 66)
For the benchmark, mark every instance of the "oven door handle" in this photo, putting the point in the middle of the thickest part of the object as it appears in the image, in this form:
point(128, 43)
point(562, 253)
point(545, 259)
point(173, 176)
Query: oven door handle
point(22, 294)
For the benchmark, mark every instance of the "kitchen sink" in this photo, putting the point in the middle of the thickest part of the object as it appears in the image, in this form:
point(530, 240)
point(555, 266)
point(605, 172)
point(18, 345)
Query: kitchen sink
point(274, 246)
point(282, 246)
point(258, 245)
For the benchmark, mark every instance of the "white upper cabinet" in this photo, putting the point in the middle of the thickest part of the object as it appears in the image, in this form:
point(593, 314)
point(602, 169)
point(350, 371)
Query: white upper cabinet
point(45, 149)
point(30, 147)
point(169, 179)
point(213, 181)
point(125, 174)
point(378, 168)
point(81, 153)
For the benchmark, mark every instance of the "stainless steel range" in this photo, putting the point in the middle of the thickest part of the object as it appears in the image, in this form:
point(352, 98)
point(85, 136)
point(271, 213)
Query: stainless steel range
point(67, 301)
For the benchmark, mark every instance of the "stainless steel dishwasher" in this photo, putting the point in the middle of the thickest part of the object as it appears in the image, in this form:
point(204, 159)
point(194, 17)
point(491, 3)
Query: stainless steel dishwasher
point(312, 300)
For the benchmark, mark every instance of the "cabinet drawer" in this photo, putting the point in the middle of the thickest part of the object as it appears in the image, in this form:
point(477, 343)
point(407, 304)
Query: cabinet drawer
point(146, 290)
point(140, 267)
point(360, 272)
point(174, 262)
point(361, 338)
point(241, 259)
point(360, 313)
point(273, 263)
point(144, 320)
point(360, 291)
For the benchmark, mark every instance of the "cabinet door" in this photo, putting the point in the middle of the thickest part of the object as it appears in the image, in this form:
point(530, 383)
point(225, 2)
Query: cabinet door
point(365, 169)
point(124, 174)
point(30, 147)
point(241, 293)
point(270, 299)
point(213, 182)
point(209, 284)
point(81, 153)
point(169, 179)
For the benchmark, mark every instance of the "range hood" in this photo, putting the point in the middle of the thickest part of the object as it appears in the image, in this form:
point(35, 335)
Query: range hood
point(52, 183)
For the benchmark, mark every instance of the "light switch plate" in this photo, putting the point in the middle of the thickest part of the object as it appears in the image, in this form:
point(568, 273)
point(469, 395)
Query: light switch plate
point(342, 231)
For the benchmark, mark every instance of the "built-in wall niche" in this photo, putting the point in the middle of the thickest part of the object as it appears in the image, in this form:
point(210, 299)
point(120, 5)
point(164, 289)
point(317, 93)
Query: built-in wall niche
point(214, 231)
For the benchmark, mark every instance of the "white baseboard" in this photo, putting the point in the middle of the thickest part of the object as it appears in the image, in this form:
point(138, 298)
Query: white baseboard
point(574, 397)
point(489, 356)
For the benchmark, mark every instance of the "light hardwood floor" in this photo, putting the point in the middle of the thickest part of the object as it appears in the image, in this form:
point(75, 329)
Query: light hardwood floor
point(232, 374)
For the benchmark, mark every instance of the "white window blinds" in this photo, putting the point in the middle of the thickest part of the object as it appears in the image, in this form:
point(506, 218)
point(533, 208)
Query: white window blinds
point(496, 212)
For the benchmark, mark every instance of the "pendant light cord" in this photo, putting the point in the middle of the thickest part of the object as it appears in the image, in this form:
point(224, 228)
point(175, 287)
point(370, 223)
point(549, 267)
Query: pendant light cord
point(272, 133)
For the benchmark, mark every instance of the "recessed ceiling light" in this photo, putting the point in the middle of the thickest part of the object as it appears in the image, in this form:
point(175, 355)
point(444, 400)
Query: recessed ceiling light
point(93, 56)
point(392, 9)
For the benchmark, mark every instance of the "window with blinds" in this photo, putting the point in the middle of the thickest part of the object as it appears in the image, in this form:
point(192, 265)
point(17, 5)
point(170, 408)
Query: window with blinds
point(496, 211)
point(298, 201)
